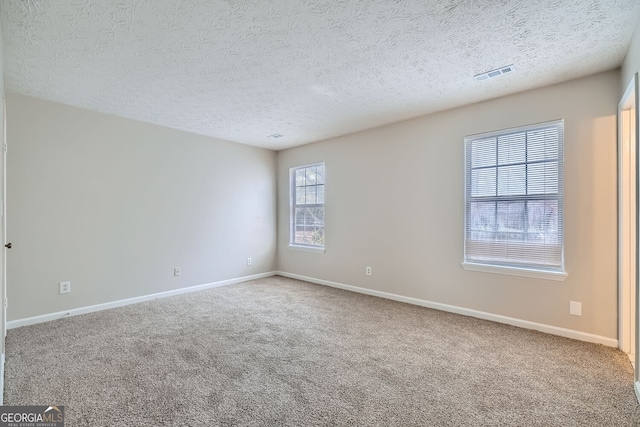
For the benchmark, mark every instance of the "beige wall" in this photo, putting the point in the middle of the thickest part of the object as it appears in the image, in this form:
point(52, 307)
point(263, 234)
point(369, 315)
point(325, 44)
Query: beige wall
point(113, 205)
point(631, 64)
point(395, 202)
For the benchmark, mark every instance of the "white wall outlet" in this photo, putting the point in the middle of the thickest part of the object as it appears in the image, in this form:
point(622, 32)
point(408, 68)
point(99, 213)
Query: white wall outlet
point(65, 287)
point(575, 308)
point(367, 271)
point(177, 271)
point(248, 261)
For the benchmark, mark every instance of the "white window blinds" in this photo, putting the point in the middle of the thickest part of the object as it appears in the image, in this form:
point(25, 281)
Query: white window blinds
point(514, 197)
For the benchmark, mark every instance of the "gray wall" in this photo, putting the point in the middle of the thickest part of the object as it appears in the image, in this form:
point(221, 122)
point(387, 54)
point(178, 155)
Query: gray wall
point(113, 205)
point(395, 202)
point(631, 64)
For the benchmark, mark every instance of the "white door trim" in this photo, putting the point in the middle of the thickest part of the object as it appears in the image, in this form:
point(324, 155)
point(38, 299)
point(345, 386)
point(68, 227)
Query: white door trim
point(629, 226)
point(627, 217)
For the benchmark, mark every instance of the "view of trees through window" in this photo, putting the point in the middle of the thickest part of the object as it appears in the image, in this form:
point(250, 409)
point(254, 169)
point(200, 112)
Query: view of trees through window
point(307, 187)
point(534, 221)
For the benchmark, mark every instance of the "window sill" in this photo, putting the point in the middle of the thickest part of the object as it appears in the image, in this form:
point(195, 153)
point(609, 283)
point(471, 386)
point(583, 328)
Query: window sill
point(315, 249)
point(515, 271)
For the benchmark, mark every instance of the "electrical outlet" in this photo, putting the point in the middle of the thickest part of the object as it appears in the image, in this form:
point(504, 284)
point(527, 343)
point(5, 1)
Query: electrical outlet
point(368, 271)
point(65, 287)
point(575, 308)
point(177, 271)
point(248, 261)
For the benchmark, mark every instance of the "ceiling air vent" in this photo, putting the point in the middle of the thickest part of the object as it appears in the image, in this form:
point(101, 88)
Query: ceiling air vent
point(495, 73)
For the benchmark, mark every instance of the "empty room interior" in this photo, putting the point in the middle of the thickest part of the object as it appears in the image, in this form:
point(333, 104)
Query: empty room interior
point(321, 213)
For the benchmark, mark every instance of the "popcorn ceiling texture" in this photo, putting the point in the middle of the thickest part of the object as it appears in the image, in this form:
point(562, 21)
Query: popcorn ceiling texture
point(241, 70)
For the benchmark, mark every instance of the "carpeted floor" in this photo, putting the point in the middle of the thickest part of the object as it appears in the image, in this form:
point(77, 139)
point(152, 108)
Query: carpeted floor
point(280, 352)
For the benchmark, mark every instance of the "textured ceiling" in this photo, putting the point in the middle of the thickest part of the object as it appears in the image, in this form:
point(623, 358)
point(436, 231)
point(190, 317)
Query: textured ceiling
point(242, 70)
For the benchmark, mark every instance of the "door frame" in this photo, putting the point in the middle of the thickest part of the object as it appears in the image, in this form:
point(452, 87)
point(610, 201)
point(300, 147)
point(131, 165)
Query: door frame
point(628, 222)
point(627, 216)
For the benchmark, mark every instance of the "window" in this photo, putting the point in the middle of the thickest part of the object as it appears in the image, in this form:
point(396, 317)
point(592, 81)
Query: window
point(307, 206)
point(514, 201)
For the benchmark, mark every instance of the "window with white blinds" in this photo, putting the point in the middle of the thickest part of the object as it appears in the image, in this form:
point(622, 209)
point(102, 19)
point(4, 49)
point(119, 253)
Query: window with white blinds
point(514, 198)
point(307, 206)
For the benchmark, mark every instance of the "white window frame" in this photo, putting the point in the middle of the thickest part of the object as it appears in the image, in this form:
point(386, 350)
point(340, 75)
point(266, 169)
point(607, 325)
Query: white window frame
point(501, 266)
point(319, 248)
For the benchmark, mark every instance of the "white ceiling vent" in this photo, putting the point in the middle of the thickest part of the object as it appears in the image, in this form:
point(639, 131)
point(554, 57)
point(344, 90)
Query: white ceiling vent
point(495, 73)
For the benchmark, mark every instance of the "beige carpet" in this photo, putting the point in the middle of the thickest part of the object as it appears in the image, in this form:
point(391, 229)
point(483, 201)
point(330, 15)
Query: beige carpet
point(280, 352)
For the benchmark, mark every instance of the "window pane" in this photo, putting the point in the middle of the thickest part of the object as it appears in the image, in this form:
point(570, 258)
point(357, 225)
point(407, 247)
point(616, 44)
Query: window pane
point(511, 221)
point(314, 216)
point(311, 175)
point(320, 194)
point(482, 221)
point(320, 174)
point(300, 195)
point(543, 144)
point(544, 221)
point(511, 148)
point(300, 177)
point(299, 216)
point(483, 152)
point(543, 178)
point(512, 180)
point(311, 195)
point(483, 182)
point(308, 219)
point(309, 226)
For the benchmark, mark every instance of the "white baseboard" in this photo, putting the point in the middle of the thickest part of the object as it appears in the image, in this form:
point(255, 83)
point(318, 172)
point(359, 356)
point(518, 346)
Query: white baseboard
point(113, 304)
point(554, 330)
